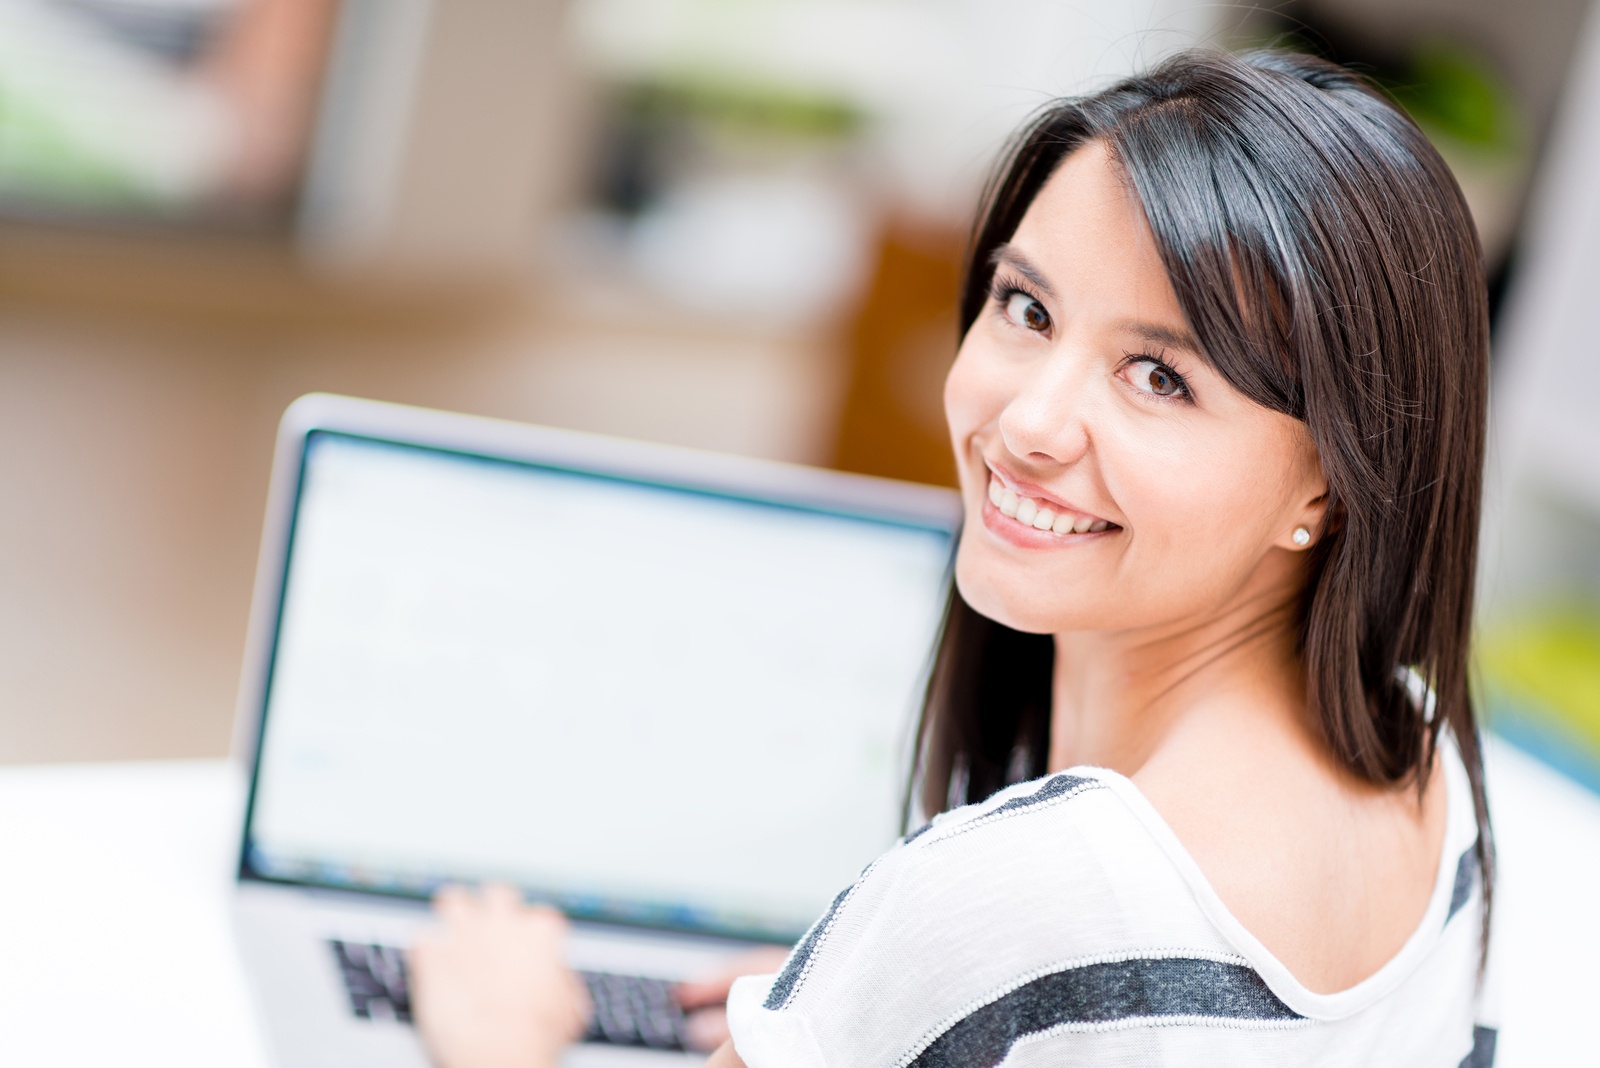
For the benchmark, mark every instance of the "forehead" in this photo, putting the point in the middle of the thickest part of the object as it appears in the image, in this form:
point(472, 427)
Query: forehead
point(1086, 232)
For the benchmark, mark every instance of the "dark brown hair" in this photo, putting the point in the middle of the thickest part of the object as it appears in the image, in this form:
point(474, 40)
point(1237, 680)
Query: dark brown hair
point(1326, 260)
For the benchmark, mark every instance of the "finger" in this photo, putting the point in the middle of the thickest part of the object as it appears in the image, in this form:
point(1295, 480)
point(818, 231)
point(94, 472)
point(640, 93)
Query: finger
point(706, 1029)
point(547, 914)
point(697, 993)
point(502, 897)
point(425, 942)
point(581, 1002)
point(428, 952)
point(452, 902)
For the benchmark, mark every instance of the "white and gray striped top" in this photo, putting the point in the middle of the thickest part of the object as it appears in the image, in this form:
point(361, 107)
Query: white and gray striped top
point(1060, 922)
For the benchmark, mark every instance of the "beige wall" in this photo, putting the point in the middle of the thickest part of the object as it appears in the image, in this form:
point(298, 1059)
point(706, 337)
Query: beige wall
point(139, 392)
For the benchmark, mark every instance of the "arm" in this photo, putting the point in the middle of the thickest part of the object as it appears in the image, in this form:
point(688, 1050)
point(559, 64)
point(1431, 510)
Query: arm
point(725, 1057)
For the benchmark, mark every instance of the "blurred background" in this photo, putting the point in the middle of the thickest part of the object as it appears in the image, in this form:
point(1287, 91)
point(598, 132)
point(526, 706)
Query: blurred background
point(732, 224)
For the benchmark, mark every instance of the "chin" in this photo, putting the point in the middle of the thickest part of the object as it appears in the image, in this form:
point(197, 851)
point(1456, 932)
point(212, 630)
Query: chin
point(1015, 603)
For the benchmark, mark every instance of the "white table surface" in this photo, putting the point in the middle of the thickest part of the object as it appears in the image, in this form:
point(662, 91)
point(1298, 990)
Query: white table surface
point(115, 948)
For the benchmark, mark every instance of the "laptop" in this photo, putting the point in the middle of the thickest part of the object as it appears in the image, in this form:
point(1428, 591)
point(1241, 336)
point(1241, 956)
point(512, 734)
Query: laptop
point(670, 692)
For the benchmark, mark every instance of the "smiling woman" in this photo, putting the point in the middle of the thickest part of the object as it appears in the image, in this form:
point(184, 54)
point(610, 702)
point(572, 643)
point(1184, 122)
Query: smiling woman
point(1201, 761)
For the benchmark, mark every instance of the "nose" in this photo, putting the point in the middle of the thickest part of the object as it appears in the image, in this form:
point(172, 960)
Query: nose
point(1047, 420)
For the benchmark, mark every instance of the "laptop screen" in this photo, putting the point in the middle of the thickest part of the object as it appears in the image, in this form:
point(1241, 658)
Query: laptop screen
point(642, 703)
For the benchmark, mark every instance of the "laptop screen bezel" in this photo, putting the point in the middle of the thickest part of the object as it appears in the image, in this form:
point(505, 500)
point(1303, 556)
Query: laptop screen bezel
point(764, 483)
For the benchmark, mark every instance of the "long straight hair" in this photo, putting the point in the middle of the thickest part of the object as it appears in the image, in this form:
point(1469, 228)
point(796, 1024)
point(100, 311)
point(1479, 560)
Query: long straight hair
point(1324, 257)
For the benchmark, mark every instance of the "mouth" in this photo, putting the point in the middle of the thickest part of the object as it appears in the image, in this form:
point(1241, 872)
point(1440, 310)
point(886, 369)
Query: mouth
point(1038, 516)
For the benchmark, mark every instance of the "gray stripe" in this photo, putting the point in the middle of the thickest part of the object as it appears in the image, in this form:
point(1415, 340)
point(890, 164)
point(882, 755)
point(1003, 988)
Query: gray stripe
point(783, 986)
point(1138, 989)
point(1053, 787)
point(1482, 1055)
point(1466, 875)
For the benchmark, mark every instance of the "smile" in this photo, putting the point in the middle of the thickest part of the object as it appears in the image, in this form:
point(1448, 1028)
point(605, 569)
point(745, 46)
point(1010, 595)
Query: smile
point(1040, 515)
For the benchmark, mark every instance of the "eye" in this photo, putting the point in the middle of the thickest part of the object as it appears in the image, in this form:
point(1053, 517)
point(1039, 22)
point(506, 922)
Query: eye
point(1025, 311)
point(1155, 378)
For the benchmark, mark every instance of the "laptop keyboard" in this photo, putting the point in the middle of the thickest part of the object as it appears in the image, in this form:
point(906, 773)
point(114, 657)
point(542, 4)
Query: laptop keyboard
point(375, 979)
point(629, 1010)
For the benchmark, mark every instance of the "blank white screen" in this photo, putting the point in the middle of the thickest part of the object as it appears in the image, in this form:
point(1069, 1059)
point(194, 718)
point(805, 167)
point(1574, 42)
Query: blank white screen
point(600, 690)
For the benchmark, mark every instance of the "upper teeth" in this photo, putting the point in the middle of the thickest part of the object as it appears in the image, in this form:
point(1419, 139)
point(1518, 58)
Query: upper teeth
point(1041, 516)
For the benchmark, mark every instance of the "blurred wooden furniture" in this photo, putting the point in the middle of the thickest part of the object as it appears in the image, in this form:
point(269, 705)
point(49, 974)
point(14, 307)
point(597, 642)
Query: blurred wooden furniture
point(899, 346)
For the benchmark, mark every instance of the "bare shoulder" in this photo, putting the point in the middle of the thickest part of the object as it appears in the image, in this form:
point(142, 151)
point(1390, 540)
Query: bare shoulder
point(1331, 874)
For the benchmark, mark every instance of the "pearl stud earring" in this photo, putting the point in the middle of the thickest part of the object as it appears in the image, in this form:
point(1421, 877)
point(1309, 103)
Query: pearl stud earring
point(1302, 537)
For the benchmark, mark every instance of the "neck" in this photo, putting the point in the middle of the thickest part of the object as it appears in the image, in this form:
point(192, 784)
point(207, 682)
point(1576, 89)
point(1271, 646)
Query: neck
point(1120, 696)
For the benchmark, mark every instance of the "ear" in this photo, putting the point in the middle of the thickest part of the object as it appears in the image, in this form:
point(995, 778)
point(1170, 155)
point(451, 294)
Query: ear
point(1312, 517)
point(1309, 501)
point(1308, 507)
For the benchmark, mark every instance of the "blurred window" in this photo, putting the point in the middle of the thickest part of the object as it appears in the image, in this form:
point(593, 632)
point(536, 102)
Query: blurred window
point(179, 110)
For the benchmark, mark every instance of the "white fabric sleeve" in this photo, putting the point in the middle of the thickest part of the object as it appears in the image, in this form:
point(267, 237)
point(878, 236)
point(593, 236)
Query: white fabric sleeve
point(769, 1039)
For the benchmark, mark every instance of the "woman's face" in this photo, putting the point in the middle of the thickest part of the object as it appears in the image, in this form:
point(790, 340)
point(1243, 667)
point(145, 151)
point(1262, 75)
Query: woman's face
point(1112, 479)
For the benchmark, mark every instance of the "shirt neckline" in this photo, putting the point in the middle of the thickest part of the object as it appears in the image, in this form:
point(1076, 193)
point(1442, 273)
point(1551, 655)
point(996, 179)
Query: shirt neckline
point(1460, 830)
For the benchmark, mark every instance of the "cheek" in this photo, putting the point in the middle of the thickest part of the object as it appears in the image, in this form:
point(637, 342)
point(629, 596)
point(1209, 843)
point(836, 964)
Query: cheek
point(962, 386)
point(1203, 510)
point(982, 381)
point(973, 400)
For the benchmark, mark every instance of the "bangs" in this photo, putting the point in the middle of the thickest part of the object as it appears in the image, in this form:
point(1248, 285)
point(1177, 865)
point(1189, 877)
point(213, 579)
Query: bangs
point(1225, 243)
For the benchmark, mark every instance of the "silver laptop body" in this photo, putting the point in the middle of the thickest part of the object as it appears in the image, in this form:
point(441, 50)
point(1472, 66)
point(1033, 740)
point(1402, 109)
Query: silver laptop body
point(668, 691)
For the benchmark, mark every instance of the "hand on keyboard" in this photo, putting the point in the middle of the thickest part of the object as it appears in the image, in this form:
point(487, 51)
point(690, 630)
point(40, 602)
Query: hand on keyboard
point(491, 980)
point(490, 988)
point(625, 1010)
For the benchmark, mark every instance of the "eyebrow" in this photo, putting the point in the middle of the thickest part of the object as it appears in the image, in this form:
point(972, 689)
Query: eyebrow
point(1162, 335)
point(1010, 256)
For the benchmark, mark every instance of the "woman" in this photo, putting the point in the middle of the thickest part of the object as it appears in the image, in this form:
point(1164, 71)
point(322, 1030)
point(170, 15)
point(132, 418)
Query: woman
point(1218, 413)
